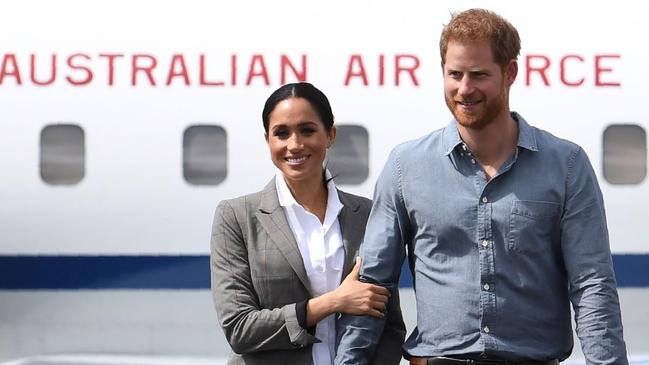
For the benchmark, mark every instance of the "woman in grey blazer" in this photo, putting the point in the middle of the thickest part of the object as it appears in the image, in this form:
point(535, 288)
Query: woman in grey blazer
point(279, 256)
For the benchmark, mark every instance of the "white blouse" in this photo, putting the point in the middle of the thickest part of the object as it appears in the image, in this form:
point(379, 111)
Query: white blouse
point(323, 254)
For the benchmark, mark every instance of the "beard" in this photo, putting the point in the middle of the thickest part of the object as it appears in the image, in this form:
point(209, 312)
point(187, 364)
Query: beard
point(485, 113)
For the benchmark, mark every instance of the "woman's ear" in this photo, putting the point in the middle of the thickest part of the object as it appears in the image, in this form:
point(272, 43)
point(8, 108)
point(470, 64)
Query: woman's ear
point(332, 136)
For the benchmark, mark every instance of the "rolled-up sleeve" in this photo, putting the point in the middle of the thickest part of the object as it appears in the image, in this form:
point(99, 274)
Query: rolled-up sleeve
point(247, 327)
point(587, 257)
point(383, 252)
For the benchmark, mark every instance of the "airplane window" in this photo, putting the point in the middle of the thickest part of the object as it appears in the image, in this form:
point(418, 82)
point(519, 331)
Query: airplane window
point(625, 154)
point(349, 155)
point(62, 160)
point(204, 155)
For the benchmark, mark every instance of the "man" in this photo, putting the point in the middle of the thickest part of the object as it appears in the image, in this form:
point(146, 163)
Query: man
point(504, 226)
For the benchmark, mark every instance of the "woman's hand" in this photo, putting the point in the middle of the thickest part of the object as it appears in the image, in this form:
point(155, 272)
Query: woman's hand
point(358, 298)
point(351, 297)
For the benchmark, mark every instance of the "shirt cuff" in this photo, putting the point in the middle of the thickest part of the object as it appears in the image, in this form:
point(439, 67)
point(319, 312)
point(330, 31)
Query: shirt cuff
point(300, 313)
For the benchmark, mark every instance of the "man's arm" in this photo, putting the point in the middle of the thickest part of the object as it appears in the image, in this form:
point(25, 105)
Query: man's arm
point(382, 253)
point(587, 257)
point(389, 349)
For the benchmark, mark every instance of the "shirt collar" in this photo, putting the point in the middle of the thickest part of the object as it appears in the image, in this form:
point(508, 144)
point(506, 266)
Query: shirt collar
point(526, 137)
point(284, 195)
point(286, 198)
point(451, 137)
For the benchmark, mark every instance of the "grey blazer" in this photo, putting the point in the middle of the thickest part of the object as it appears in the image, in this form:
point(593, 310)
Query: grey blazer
point(258, 277)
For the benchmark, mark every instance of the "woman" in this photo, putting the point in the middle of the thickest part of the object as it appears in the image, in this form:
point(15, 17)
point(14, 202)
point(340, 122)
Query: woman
point(278, 255)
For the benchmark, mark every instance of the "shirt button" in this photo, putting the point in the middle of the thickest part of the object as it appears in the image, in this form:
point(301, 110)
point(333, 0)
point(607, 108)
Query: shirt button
point(485, 243)
point(484, 199)
point(473, 161)
point(486, 329)
point(486, 287)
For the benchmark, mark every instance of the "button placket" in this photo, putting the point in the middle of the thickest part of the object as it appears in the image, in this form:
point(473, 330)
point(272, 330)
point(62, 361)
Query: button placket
point(487, 267)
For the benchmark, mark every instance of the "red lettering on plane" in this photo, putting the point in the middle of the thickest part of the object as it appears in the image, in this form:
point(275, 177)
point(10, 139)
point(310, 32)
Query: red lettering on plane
point(355, 68)
point(381, 70)
point(541, 65)
point(137, 67)
point(257, 69)
point(10, 68)
point(403, 64)
point(600, 69)
point(149, 70)
point(111, 65)
point(203, 78)
point(32, 71)
point(233, 68)
point(572, 70)
point(563, 68)
point(410, 69)
point(178, 69)
point(84, 69)
point(286, 63)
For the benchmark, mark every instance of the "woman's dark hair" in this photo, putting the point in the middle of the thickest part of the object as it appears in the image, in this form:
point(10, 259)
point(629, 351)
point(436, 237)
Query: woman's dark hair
point(304, 90)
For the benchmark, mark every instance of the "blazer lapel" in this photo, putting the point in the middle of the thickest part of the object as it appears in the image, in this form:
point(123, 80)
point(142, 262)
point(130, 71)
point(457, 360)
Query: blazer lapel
point(352, 227)
point(273, 220)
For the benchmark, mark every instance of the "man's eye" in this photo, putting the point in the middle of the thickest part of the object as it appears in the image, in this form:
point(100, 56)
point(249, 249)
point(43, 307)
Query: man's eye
point(455, 74)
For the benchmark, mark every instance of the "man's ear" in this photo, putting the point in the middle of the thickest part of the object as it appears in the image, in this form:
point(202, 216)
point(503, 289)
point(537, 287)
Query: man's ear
point(511, 71)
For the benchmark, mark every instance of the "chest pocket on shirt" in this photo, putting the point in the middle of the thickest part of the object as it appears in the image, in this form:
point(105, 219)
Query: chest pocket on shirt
point(532, 225)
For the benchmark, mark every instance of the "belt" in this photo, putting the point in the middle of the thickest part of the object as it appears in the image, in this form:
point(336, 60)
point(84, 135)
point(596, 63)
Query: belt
point(440, 360)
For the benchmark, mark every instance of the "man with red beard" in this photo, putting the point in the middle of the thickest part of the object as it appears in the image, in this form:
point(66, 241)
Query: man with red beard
point(503, 225)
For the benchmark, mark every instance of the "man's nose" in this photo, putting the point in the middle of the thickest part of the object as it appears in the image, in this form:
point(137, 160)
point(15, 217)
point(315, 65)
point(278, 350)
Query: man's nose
point(466, 86)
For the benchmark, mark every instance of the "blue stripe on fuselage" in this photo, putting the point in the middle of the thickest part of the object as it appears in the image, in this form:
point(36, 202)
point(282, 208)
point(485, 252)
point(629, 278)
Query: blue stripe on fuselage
point(181, 272)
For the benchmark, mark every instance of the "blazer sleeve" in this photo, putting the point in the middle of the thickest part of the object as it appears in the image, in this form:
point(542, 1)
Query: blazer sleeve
point(247, 327)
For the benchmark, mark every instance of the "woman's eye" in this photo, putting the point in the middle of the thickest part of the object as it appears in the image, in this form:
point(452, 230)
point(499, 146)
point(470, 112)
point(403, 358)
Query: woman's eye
point(280, 134)
point(308, 130)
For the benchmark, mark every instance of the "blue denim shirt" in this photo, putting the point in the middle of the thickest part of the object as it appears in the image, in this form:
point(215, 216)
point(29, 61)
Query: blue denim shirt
point(495, 263)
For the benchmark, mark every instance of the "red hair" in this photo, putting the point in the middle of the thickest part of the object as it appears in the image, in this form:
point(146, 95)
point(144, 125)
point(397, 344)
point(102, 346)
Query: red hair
point(479, 25)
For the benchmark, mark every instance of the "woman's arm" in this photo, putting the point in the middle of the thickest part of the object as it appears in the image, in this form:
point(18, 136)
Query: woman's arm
point(247, 327)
